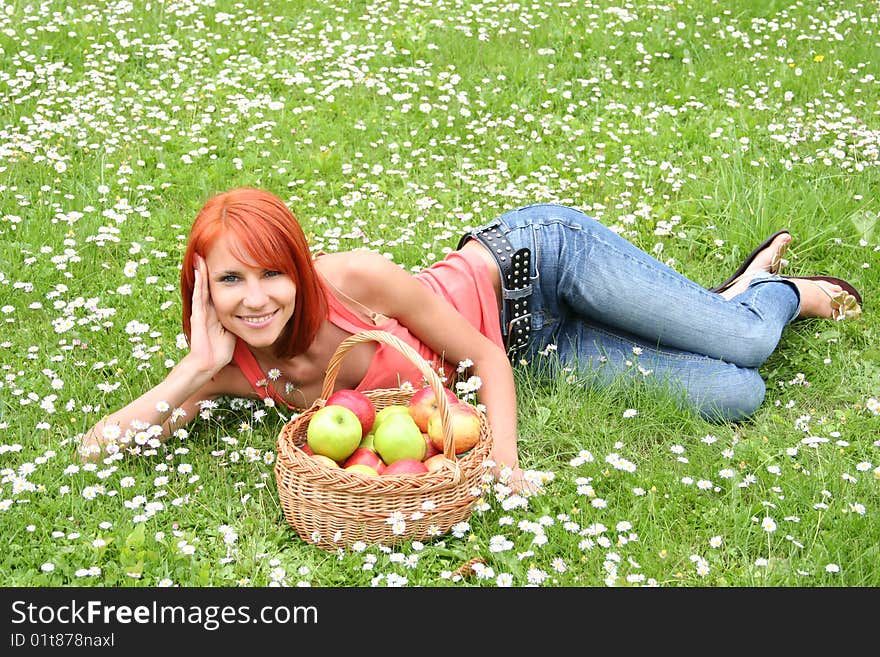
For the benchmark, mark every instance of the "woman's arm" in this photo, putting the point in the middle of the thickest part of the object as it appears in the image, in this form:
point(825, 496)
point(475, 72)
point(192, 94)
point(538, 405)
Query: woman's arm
point(193, 379)
point(383, 286)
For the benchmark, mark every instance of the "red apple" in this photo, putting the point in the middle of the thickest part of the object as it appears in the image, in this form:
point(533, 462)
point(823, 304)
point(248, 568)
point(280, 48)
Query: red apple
point(423, 404)
point(430, 450)
point(405, 466)
point(359, 403)
point(364, 456)
point(465, 427)
point(305, 447)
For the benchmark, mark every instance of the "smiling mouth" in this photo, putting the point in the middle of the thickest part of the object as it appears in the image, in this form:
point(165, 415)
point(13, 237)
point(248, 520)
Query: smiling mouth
point(258, 319)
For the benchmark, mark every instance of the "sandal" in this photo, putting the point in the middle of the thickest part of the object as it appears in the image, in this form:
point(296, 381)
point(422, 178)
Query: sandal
point(844, 305)
point(776, 264)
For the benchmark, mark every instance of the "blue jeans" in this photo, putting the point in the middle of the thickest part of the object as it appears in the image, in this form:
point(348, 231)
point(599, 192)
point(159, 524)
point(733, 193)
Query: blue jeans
point(610, 310)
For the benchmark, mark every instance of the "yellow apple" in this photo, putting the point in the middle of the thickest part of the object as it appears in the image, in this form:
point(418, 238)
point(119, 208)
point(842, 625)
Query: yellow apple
point(362, 468)
point(465, 427)
point(435, 462)
point(325, 460)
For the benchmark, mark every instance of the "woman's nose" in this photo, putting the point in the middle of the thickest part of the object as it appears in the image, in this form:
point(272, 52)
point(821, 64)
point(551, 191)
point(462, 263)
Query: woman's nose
point(255, 296)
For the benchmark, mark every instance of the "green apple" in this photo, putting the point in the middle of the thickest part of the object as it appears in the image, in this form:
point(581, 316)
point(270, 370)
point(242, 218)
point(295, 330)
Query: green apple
point(334, 431)
point(367, 441)
point(399, 437)
point(387, 412)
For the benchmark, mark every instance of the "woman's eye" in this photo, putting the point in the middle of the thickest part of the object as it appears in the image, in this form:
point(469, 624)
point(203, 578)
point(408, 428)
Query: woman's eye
point(228, 278)
point(273, 273)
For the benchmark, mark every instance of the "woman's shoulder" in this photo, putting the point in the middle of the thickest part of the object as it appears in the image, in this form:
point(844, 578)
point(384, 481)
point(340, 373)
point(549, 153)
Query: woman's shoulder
point(352, 268)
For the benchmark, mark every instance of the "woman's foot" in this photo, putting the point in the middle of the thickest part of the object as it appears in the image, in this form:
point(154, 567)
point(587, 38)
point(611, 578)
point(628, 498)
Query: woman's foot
point(768, 259)
point(822, 297)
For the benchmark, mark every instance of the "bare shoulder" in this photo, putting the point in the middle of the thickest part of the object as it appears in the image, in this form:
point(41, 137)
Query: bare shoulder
point(357, 271)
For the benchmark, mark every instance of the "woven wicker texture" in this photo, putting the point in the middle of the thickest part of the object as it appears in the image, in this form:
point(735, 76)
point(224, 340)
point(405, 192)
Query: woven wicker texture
point(332, 507)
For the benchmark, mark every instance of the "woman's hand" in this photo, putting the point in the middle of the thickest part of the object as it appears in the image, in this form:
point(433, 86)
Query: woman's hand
point(515, 478)
point(91, 449)
point(211, 345)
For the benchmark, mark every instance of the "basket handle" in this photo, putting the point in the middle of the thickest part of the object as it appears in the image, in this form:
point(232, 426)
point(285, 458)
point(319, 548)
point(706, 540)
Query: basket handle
point(430, 375)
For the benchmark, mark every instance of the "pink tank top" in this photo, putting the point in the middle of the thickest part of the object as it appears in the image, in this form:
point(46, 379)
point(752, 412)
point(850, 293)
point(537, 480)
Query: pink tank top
point(462, 278)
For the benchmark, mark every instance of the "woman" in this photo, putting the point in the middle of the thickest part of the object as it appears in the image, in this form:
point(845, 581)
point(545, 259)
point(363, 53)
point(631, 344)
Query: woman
point(263, 316)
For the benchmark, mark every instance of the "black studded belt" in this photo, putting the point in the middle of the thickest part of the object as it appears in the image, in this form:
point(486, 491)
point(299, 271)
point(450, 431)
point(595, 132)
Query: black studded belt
point(516, 286)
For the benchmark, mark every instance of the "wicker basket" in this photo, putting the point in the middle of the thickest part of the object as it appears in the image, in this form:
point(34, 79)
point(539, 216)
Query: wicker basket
point(333, 508)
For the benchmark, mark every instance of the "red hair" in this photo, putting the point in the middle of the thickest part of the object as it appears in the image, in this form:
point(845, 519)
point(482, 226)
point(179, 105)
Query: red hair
point(267, 234)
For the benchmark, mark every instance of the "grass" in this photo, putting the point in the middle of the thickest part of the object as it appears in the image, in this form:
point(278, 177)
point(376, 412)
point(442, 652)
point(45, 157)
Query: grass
point(694, 130)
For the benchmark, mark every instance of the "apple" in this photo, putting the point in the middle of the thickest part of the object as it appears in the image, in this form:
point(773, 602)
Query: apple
point(465, 427)
point(305, 447)
point(430, 450)
point(405, 466)
point(398, 437)
point(363, 469)
point(359, 403)
point(364, 456)
point(367, 441)
point(423, 404)
point(435, 462)
point(387, 412)
point(326, 460)
point(334, 431)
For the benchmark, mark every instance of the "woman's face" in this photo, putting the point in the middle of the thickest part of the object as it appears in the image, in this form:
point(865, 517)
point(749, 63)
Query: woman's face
point(252, 302)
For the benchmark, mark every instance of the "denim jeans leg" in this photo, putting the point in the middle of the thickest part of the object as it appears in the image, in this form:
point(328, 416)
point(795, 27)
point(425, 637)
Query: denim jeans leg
point(605, 279)
point(603, 296)
point(715, 389)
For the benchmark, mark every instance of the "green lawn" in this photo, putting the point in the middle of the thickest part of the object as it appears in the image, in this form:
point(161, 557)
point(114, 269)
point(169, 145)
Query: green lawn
point(695, 129)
